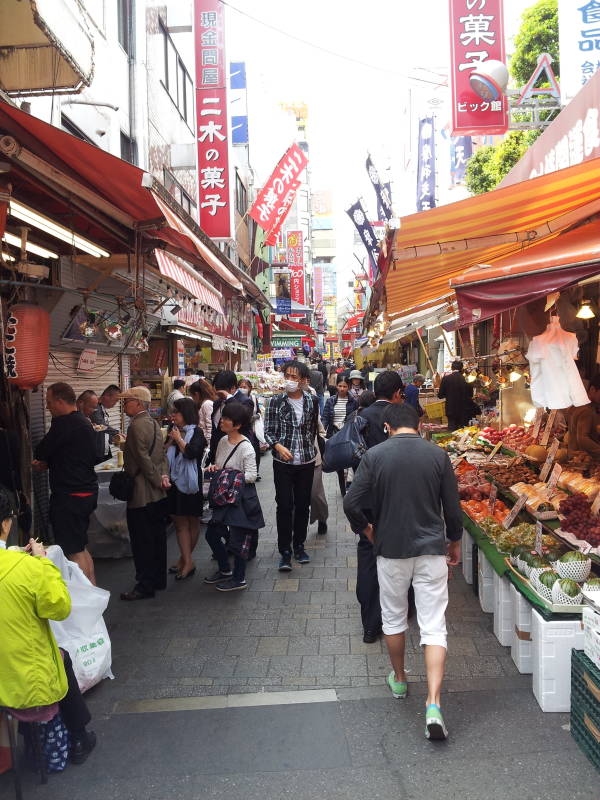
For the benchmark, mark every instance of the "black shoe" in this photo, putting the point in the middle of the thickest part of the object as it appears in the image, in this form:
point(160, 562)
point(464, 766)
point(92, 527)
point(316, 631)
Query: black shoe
point(322, 528)
point(302, 556)
point(285, 562)
point(82, 747)
point(258, 478)
point(135, 595)
point(370, 636)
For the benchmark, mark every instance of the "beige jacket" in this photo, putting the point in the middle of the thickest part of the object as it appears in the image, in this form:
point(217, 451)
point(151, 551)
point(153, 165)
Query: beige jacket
point(147, 469)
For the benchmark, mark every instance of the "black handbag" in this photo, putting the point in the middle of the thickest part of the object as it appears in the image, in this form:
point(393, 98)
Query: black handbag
point(121, 484)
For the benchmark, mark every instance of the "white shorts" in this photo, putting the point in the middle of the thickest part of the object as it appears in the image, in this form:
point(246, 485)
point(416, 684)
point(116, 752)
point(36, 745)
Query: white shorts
point(429, 576)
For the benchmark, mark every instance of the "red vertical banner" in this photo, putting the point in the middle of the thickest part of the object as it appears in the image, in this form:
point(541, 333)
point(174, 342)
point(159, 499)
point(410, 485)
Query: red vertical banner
point(476, 36)
point(212, 119)
point(295, 260)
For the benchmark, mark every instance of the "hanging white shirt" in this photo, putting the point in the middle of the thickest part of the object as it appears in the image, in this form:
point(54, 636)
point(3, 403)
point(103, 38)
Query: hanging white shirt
point(555, 379)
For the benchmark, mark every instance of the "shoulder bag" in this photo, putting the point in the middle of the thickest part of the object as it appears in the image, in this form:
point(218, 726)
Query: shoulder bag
point(121, 484)
point(226, 485)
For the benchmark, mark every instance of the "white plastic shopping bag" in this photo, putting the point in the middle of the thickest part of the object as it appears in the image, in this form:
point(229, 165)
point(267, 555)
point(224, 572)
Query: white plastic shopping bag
point(83, 633)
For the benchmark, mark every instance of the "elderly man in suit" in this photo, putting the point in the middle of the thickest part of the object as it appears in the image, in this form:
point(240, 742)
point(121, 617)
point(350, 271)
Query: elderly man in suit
point(146, 463)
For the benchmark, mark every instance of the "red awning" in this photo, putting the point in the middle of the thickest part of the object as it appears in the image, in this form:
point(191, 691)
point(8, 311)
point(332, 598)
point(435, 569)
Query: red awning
point(186, 280)
point(353, 321)
point(531, 274)
point(288, 325)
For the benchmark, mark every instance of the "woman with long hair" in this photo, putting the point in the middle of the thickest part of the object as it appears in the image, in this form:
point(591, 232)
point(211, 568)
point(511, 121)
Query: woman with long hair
point(203, 395)
point(246, 388)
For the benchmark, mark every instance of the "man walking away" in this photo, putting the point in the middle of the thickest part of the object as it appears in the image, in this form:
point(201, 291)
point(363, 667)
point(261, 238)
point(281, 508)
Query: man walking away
point(146, 463)
point(404, 483)
point(68, 451)
point(315, 379)
point(458, 396)
point(291, 422)
point(388, 390)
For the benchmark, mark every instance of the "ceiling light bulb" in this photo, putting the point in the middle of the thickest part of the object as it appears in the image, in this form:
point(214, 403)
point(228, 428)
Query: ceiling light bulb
point(585, 310)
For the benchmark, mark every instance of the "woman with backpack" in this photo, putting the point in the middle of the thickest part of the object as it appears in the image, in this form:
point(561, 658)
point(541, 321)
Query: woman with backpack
point(186, 444)
point(238, 521)
point(336, 411)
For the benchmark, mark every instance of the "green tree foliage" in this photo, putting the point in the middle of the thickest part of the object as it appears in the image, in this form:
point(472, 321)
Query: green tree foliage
point(490, 164)
point(538, 34)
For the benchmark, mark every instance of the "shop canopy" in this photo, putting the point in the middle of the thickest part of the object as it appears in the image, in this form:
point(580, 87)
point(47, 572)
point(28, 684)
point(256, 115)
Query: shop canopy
point(404, 326)
point(353, 321)
point(288, 325)
point(432, 247)
point(188, 279)
point(529, 275)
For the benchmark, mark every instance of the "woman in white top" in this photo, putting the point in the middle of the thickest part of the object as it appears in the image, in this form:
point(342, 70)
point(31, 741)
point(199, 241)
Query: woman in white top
point(203, 394)
point(245, 387)
point(237, 524)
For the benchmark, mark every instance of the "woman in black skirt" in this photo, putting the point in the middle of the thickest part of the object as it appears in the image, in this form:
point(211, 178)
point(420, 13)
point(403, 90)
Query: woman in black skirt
point(185, 447)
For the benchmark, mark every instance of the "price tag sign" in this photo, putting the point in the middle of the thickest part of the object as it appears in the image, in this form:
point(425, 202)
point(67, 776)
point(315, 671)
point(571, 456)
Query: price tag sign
point(473, 441)
point(585, 548)
point(463, 439)
point(512, 514)
point(537, 422)
point(596, 505)
point(538, 538)
point(554, 476)
point(545, 471)
point(548, 428)
point(493, 496)
point(494, 451)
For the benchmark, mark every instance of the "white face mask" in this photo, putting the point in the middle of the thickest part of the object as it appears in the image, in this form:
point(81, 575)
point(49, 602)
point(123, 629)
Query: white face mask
point(291, 386)
point(243, 391)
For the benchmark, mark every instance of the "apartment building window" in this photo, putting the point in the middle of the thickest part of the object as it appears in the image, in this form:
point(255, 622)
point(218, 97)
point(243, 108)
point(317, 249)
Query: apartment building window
point(175, 189)
point(177, 80)
point(128, 149)
point(125, 25)
point(241, 196)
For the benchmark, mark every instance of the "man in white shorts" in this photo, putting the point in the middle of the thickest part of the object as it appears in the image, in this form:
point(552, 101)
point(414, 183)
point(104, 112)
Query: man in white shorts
point(408, 486)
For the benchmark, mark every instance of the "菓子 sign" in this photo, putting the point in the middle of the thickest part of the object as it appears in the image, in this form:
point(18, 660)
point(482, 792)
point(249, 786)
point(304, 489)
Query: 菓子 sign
point(579, 40)
point(295, 260)
point(212, 119)
point(476, 36)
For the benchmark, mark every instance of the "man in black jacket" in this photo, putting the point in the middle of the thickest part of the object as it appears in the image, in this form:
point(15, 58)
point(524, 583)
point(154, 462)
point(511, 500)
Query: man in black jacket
point(226, 387)
point(458, 395)
point(388, 390)
point(403, 483)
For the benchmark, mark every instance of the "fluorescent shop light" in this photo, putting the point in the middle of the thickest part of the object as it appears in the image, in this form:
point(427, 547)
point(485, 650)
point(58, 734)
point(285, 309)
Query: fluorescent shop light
point(42, 223)
point(10, 238)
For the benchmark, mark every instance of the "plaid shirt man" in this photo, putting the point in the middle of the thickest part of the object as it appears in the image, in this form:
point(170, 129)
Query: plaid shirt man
point(282, 427)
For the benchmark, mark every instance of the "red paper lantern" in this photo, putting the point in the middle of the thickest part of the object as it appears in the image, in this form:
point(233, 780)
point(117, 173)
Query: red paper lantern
point(27, 345)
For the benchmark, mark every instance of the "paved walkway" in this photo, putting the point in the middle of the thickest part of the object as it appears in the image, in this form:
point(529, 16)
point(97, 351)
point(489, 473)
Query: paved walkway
point(192, 710)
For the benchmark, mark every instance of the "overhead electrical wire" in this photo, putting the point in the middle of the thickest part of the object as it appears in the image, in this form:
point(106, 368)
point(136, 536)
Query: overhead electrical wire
point(344, 57)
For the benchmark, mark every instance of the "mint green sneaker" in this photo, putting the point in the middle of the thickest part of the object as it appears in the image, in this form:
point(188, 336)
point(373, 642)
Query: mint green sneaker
point(434, 723)
point(399, 688)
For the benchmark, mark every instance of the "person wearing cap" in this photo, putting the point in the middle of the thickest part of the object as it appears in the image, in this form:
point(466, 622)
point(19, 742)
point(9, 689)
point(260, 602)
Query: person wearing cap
point(357, 383)
point(68, 452)
point(145, 461)
point(411, 393)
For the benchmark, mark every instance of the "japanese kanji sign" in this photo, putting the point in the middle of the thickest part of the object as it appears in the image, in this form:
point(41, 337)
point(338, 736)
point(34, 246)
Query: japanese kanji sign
point(579, 39)
point(295, 260)
point(426, 165)
point(461, 150)
point(365, 231)
point(283, 300)
point(275, 199)
point(476, 36)
point(384, 201)
point(212, 119)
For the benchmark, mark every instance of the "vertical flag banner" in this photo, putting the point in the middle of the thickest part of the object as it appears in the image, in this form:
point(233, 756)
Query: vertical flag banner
point(295, 260)
point(365, 231)
point(212, 119)
point(461, 150)
point(476, 36)
point(579, 41)
point(380, 210)
point(384, 201)
point(426, 165)
point(318, 290)
point(275, 199)
point(283, 300)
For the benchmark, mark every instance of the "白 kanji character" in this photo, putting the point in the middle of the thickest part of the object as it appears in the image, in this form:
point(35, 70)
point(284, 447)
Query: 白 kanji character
point(477, 30)
point(213, 202)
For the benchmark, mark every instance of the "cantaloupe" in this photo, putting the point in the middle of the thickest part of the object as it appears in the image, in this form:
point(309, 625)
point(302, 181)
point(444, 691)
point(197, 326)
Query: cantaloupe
point(536, 452)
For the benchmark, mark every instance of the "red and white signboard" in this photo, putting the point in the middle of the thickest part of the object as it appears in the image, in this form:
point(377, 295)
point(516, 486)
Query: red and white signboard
point(212, 119)
point(476, 36)
point(275, 199)
point(295, 259)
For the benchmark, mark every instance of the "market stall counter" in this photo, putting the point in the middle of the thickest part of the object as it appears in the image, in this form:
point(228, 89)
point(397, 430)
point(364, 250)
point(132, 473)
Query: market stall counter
point(108, 536)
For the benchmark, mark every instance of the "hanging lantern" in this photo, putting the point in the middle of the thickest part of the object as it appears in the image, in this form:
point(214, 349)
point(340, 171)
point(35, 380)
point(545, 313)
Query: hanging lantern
point(27, 345)
point(113, 332)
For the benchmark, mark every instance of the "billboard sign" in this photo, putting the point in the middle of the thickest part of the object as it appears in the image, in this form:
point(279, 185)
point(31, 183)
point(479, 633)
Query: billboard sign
point(579, 43)
point(476, 36)
point(295, 260)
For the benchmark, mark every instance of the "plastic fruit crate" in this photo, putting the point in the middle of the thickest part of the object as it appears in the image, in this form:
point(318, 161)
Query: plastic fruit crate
point(486, 583)
point(585, 705)
point(504, 619)
point(467, 556)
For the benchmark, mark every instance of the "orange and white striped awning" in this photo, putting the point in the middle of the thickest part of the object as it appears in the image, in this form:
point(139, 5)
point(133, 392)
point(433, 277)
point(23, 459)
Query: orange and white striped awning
point(178, 272)
point(432, 247)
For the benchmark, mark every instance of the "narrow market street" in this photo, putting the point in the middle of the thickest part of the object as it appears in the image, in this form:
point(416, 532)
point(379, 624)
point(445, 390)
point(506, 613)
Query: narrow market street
point(271, 692)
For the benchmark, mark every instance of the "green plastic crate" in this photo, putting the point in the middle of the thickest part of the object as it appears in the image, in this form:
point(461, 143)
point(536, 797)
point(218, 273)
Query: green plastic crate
point(585, 705)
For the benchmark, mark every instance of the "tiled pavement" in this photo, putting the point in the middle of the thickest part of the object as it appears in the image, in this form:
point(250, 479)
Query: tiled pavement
point(287, 631)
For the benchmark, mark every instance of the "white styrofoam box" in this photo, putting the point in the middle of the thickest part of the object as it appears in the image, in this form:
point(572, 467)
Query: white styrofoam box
point(504, 619)
point(486, 583)
point(591, 635)
point(552, 644)
point(522, 645)
point(467, 556)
